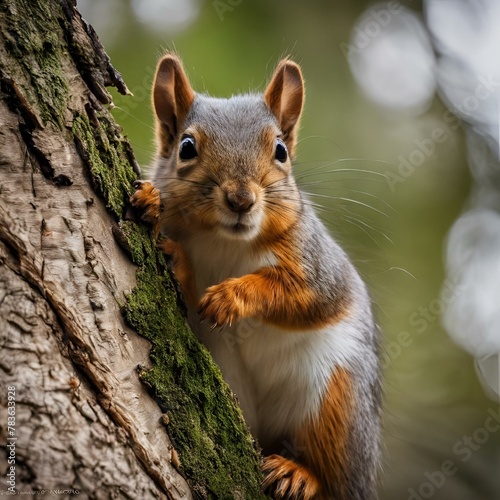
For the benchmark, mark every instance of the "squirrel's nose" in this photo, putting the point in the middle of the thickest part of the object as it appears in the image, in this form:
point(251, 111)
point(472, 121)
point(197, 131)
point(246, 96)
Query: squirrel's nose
point(240, 201)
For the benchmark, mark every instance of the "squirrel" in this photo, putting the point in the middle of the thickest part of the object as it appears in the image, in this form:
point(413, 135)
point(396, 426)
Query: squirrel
point(297, 342)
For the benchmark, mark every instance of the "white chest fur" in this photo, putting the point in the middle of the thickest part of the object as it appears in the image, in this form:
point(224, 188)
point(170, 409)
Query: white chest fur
point(216, 259)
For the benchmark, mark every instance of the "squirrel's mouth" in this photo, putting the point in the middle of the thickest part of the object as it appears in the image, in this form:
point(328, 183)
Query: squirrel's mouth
point(240, 226)
point(239, 230)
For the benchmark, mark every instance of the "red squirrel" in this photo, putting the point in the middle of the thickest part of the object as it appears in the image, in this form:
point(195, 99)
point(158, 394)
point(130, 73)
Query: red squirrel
point(297, 342)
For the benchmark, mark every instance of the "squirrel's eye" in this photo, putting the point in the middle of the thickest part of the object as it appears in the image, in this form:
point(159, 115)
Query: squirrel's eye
point(281, 153)
point(187, 151)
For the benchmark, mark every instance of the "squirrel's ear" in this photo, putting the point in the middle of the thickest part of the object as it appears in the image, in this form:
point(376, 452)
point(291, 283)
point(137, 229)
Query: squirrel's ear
point(285, 95)
point(172, 99)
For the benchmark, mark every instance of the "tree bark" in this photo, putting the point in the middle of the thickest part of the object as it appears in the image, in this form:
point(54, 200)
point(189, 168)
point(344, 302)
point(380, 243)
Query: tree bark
point(105, 392)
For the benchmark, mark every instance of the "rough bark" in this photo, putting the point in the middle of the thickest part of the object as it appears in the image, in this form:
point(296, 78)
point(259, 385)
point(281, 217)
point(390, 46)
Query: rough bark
point(98, 408)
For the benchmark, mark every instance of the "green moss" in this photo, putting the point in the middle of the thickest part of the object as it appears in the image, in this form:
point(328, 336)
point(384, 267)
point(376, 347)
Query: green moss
point(137, 241)
point(105, 154)
point(36, 49)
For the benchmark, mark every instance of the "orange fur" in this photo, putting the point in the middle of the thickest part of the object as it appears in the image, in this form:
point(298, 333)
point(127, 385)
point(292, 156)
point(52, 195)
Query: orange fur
point(182, 269)
point(325, 438)
point(147, 199)
point(277, 223)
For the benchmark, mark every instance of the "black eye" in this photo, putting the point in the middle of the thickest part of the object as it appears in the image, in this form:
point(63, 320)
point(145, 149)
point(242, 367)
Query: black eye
point(281, 153)
point(187, 151)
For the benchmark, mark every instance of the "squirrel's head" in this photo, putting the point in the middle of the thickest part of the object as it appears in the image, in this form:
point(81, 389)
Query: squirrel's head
point(226, 163)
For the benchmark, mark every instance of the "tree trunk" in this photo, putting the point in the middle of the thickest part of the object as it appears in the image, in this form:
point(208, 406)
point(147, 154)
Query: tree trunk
point(87, 404)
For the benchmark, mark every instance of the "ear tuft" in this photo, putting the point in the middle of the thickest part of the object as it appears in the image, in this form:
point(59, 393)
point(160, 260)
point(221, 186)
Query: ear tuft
point(285, 97)
point(172, 99)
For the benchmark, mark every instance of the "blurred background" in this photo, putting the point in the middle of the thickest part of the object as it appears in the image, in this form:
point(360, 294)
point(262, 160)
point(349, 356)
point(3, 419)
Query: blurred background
point(393, 169)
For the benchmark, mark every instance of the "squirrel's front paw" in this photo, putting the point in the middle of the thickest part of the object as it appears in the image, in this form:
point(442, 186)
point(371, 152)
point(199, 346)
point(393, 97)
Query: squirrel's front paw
point(146, 199)
point(220, 305)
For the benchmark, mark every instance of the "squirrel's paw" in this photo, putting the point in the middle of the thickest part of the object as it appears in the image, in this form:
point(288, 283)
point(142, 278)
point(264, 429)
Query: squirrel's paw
point(146, 199)
point(286, 479)
point(220, 305)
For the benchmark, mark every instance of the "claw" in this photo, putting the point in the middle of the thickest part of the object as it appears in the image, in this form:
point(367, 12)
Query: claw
point(213, 327)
